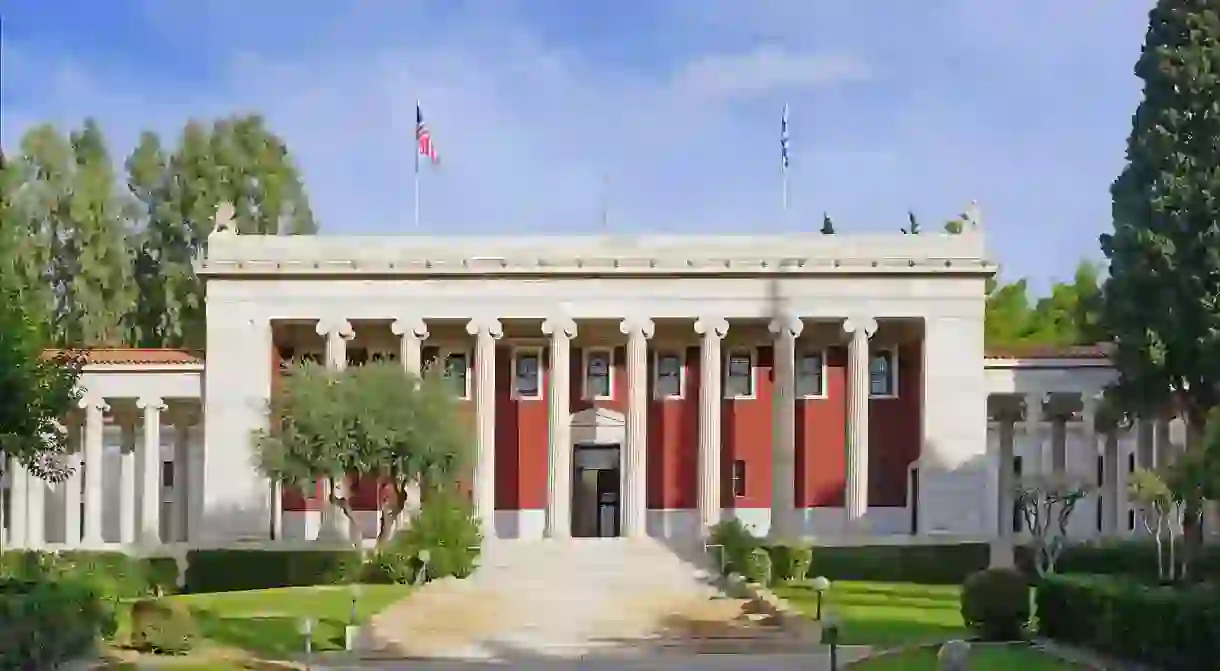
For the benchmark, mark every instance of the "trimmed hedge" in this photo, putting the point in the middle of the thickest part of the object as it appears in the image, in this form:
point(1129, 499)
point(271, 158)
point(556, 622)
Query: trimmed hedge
point(1167, 627)
point(1135, 558)
point(234, 570)
point(46, 621)
point(926, 564)
point(112, 575)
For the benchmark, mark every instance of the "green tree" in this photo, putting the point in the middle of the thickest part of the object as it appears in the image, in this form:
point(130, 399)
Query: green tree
point(828, 226)
point(1160, 300)
point(235, 159)
point(375, 420)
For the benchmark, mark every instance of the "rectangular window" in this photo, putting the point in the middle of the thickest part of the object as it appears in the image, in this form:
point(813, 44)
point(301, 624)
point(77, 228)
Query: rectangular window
point(809, 375)
point(1101, 476)
point(384, 356)
point(357, 356)
point(456, 371)
point(599, 372)
point(668, 375)
point(167, 474)
point(1017, 520)
point(739, 478)
point(527, 374)
point(739, 375)
point(1130, 520)
point(1131, 463)
point(881, 374)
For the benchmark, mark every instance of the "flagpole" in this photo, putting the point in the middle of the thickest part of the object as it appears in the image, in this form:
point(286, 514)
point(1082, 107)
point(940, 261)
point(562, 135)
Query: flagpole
point(783, 165)
point(415, 148)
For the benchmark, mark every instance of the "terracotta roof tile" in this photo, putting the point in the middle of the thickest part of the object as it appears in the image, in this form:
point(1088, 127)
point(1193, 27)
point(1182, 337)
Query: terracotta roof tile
point(131, 356)
point(1095, 351)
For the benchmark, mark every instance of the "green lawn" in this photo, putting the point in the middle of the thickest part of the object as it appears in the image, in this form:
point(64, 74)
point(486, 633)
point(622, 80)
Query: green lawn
point(1009, 658)
point(266, 622)
point(885, 614)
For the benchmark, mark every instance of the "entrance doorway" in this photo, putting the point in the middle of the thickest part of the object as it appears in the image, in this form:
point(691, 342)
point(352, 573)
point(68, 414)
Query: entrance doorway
point(595, 491)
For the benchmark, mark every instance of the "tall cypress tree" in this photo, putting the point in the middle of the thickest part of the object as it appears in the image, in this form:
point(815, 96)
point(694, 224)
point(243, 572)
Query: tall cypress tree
point(1161, 302)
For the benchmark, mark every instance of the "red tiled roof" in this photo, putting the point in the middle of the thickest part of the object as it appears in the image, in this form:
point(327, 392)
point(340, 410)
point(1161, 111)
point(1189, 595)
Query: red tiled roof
point(1096, 351)
point(132, 356)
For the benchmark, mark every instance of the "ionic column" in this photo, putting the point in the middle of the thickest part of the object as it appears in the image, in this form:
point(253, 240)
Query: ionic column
point(72, 487)
point(182, 445)
point(19, 485)
point(334, 524)
point(783, 427)
point(713, 330)
point(412, 331)
point(559, 435)
point(1089, 406)
point(150, 478)
point(1006, 478)
point(486, 332)
point(127, 480)
point(856, 492)
point(1035, 433)
point(635, 461)
point(95, 407)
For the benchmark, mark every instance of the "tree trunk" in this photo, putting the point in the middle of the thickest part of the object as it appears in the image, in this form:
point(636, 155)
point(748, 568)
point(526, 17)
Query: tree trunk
point(390, 512)
point(355, 536)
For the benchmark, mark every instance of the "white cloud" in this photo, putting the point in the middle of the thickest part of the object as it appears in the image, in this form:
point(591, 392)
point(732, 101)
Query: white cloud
point(766, 70)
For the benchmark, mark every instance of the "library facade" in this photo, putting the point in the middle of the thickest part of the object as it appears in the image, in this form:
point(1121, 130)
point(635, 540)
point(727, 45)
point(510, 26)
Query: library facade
point(813, 386)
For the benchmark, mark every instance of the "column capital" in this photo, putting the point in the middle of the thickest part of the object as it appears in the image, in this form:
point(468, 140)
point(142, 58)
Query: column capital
point(643, 325)
point(186, 414)
point(414, 326)
point(147, 403)
point(337, 325)
point(560, 326)
point(860, 324)
point(712, 327)
point(93, 401)
point(787, 325)
point(485, 327)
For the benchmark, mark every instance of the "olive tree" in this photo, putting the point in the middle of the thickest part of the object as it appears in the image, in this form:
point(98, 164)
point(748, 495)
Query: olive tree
point(1046, 503)
point(375, 420)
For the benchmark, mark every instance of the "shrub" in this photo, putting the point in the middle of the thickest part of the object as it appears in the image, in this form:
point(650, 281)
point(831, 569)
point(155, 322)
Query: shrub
point(758, 566)
point(1134, 558)
point(45, 621)
point(736, 543)
point(928, 564)
point(446, 529)
point(790, 563)
point(162, 626)
point(1165, 627)
point(995, 604)
point(387, 566)
point(233, 570)
point(112, 575)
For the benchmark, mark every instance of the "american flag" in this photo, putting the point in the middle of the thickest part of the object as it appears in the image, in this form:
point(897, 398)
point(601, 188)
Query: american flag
point(783, 138)
point(423, 137)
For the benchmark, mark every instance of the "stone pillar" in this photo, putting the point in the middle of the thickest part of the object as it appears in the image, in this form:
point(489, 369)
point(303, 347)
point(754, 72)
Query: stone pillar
point(1089, 406)
point(127, 480)
point(182, 446)
point(36, 511)
point(1113, 495)
point(713, 330)
point(635, 461)
point(1036, 433)
point(1006, 479)
point(334, 525)
point(19, 516)
point(412, 331)
point(561, 329)
point(486, 332)
point(150, 478)
point(783, 428)
point(95, 407)
point(71, 487)
point(856, 497)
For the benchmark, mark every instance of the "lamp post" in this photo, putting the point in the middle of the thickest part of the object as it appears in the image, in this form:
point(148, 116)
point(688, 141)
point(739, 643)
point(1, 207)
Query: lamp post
point(352, 631)
point(820, 585)
point(306, 630)
point(424, 556)
point(830, 636)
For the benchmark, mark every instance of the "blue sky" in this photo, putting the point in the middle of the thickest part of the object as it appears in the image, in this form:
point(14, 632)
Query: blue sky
point(668, 110)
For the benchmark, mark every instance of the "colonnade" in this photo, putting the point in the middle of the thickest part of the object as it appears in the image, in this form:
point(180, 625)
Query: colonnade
point(639, 330)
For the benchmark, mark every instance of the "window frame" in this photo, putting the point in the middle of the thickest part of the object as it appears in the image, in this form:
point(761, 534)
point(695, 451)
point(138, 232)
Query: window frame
point(443, 352)
point(586, 355)
point(657, 355)
point(796, 373)
point(893, 376)
point(729, 353)
point(527, 350)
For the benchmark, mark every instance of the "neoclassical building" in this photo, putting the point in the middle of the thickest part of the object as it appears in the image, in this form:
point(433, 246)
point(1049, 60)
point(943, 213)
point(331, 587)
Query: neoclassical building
point(829, 387)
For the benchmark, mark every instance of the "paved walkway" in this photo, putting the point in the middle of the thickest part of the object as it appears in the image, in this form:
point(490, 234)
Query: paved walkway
point(795, 662)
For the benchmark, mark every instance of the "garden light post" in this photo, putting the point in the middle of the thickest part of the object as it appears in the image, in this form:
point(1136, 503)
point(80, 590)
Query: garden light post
point(307, 632)
point(820, 585)
point(352, 631)
point(424, 556)
point(830, 636)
